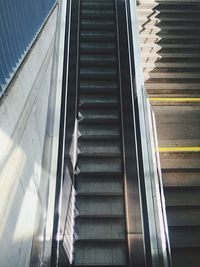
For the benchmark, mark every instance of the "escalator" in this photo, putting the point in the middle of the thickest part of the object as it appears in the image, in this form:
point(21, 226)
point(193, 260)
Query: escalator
point(100, 237)
point(105, 199)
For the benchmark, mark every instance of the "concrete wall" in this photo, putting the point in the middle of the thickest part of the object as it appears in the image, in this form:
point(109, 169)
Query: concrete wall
point(23, 113)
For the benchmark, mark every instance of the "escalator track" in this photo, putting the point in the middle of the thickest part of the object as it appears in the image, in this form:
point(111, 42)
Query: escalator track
point(100, 227)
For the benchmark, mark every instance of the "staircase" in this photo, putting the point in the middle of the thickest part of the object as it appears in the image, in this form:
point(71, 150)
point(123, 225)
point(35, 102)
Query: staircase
point(100, 238)
point(170, 45)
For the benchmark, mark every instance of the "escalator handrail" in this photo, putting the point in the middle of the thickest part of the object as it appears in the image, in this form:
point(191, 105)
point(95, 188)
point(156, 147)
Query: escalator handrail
point(158, 233)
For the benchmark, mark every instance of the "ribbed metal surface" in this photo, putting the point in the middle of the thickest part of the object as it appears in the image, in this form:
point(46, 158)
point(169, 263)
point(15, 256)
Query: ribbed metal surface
point(20, 22)
point(100, 237)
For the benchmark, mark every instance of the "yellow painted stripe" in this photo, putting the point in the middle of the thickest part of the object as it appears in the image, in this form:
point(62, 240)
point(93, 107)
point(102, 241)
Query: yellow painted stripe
point(179, 149)
point(174, 99)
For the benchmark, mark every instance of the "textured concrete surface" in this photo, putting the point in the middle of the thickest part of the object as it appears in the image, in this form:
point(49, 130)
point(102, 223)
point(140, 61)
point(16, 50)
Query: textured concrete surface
point(23, 112)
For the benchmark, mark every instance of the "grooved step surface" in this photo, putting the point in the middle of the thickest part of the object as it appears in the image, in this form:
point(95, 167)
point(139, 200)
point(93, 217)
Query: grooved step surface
point(99, 236)
point(98, 253)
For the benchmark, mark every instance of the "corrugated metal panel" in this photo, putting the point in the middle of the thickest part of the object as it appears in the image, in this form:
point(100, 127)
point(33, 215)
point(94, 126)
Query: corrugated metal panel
point(20, 22)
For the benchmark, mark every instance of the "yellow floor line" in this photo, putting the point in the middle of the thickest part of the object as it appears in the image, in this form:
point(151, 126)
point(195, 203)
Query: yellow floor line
point(174, 99)
point(179, 149)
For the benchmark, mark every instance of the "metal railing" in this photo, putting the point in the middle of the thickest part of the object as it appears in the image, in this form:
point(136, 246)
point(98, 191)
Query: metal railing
point(156, 213)
point(20, 23)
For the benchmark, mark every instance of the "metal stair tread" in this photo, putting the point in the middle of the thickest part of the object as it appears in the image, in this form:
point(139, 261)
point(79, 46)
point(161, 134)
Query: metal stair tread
point(100, 194)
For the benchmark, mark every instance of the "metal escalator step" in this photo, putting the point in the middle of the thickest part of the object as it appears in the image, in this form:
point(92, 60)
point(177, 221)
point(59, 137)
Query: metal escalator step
point(98, 99)
point(100, 87)
point(105, 50)
point(97, 5)
point(97, 14)
point(86, 165)
point(106, 25)
point(99, 114)
point(98, 60)
point(95, 131)
point(98, 184)
point(99, 194)
point(98, 73)
point(94, 254)
point(99, 105)
point(100, 36)
point(104, 147)
point(98, 205)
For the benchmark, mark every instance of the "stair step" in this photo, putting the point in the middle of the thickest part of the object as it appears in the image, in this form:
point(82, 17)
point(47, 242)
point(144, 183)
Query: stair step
point(100, 48)
point(98, 73)
point(170, 76)
point(183, 216)
point(99, 165)
point(98, 205)
point(100, 36)
point(180, 32)
point(97, 5)
point(172, 88)
point(104, 147)
point(185, 257)
point(95, 131)
point(175, 71)
point(185, 237)
point(172, 56)
point(97, 25)
point(97, 184)
point(99, 137)
point(99, 114)
point(98, 99)
point(182, 197)
point(181, 179)
point(97, 14)
point(98, 60)
point(102, 87)
point(99, 194)
point(95, 254)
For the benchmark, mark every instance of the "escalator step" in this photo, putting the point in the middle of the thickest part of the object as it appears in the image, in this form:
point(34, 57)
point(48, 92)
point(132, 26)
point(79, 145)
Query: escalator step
point(98, 99)
point(98, 73)
point(86, 165)
point(98, 147)
point(99, 114)
point(101, 229)
point(97, 184)
point(96, 5)
point(105, 50)
point(107, 205)
point(97, 14)
point(97, 25)
point(104, 131)
point(98, 36)
point(95, 254)
point(98, 60)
